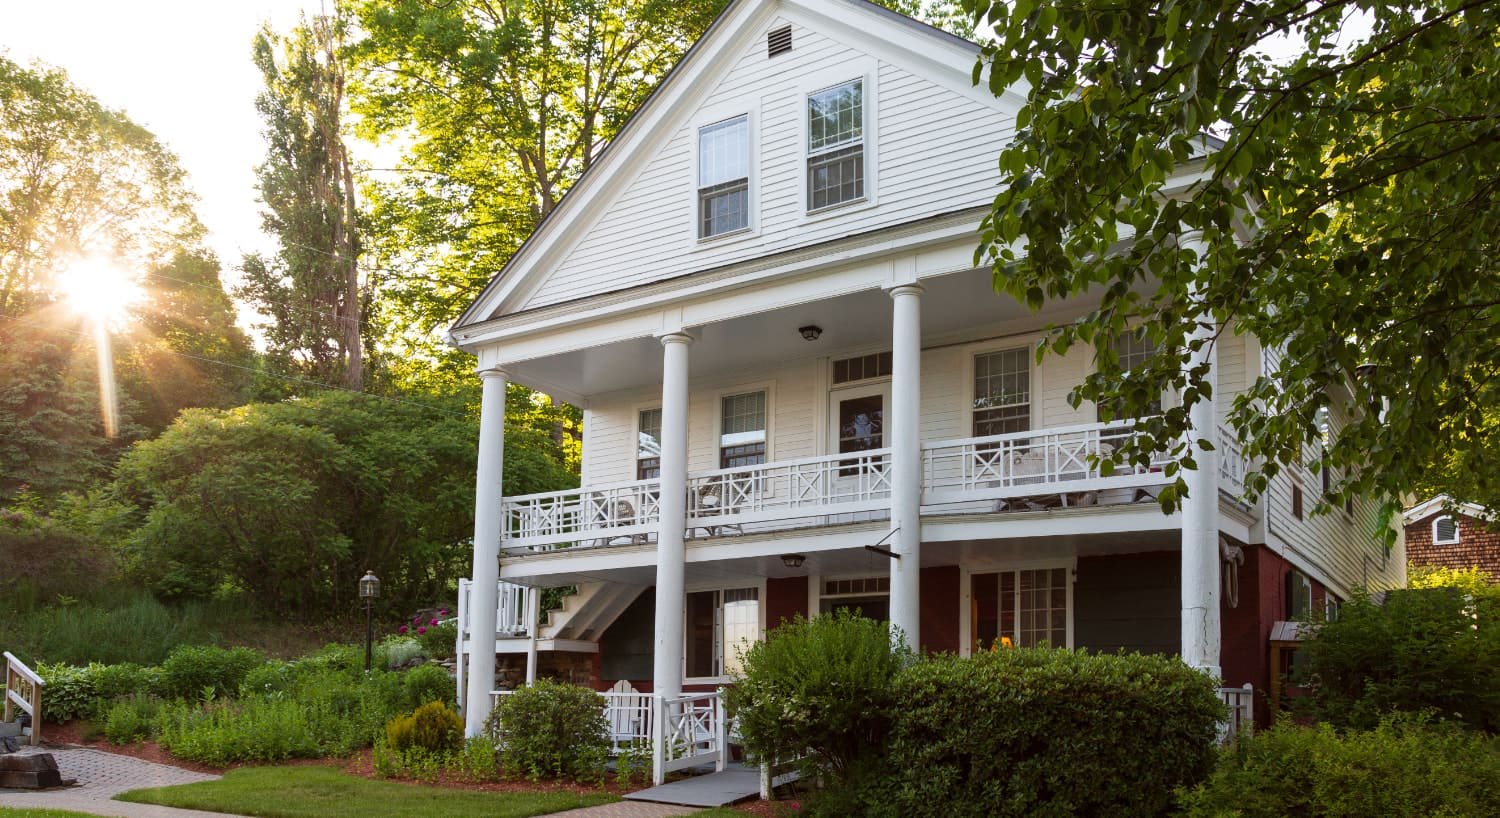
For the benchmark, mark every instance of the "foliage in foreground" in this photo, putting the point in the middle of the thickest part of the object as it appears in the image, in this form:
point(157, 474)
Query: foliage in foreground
point(1432, 650)
point(1401, 768)
point(549, 729)
point(1372, 258)
point(819, 689)
point(323, 792)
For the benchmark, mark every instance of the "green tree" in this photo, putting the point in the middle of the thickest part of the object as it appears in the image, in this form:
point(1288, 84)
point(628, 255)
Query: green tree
point(311, 287)
point(293, 501)
point(77, 178)
point(1346, 200)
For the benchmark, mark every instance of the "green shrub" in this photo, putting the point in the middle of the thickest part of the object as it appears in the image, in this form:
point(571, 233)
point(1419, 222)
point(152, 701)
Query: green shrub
point(271, 677)
point(124, 628)
point(820, 690)
point(479, 761)
point(131, 719)
point(427, 683)
point(548, 729)
point(193, 672)
point(433, 727)
point(1401, 768)
point(335, 656)
point(396, 651)
point(1046, 732)
point(114, 681)
point(70, 692)
point(251, 729)
point(439, 640)
point(1435, 651)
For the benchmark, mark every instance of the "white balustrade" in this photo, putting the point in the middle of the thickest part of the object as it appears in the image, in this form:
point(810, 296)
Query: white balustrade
point(1241, 703)
point(1060, 462)
point(613, 514)
point(1233, 465)
point(787, 489)
point(695, 733)
point(510, 618)
point(629, 716)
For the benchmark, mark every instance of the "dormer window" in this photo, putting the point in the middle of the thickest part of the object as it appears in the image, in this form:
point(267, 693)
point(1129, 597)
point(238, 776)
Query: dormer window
point(1445, 531)
point(836, 145)
point(724, 177)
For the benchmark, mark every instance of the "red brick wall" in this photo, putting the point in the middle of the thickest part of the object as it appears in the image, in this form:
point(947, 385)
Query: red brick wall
point(940, 594)
point(1478, 545)
point(785, 599)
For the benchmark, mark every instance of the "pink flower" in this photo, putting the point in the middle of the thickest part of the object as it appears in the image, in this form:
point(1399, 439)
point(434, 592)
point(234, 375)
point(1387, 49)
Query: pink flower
point(401, 629)
point(433, 622)
point(442, 611)
point(416, 620)
point(421, 629)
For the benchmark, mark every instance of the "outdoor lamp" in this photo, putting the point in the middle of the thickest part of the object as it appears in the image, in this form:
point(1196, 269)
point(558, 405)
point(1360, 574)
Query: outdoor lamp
point(369, 589)
point(811, 332)
point(792, 560)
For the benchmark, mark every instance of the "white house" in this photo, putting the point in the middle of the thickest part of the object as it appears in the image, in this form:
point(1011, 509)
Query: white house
point(800, 394)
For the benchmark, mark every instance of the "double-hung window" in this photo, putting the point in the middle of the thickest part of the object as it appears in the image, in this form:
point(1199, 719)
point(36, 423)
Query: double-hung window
point(648, 445)
point(742, 430)
point(724, 177)
point(836, 145)
point(1134, 349)
point(1002, 392)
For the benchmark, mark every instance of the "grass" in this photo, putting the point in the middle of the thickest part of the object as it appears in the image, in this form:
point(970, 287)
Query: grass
point(35, 812)
point(323, 792)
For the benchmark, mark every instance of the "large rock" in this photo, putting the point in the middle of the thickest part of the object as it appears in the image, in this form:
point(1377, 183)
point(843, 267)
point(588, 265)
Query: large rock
point(30, 771)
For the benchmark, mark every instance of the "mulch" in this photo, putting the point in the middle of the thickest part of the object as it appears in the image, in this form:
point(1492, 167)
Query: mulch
point(72, 734)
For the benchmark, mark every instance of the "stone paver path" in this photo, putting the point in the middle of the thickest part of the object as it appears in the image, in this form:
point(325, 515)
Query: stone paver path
point(101, 776)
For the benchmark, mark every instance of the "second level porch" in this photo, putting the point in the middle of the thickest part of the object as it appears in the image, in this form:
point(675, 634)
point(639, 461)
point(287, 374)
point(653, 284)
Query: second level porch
point(1062, 468)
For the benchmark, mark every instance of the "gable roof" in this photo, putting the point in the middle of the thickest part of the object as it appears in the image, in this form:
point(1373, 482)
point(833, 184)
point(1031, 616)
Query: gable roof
point(1443, 501)
point(591, 192)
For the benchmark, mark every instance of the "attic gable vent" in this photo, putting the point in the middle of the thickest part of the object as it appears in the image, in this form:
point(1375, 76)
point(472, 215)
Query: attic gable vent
point(779, 41)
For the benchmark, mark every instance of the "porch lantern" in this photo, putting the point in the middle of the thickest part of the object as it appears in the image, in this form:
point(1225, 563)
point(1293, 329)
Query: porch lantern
point(793, 560)
point(369, 589)
point(811, 332)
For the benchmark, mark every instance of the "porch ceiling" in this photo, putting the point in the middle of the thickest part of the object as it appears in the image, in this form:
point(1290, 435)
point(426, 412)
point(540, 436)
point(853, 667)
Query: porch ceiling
point(954, 307)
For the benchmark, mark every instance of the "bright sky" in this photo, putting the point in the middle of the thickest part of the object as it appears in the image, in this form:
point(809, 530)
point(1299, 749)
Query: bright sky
point(182, 69)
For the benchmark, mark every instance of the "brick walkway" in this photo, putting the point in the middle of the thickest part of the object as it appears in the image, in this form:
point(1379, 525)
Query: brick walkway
point(102, 776)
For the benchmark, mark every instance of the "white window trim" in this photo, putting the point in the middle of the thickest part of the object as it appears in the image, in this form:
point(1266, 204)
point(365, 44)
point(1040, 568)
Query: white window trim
point(1001, 345)
point(713, 116)
point(966, 596)
point(1457, 530)
point(635, 438)
point(1170, 398)
point(865, 69)
point(759, 583)
point(769, 387)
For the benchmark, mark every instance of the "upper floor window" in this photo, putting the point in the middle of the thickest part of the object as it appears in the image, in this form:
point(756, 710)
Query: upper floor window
point(836, 145)
point(648, 445)
point(1445, 531)
point(742, 430)
point(1134, 349)
point(724, 177)
point(1002, 392)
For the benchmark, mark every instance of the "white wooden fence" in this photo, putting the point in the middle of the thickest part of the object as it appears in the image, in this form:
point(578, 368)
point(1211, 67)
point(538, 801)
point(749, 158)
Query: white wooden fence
point(1241, 703)
point(23, 690)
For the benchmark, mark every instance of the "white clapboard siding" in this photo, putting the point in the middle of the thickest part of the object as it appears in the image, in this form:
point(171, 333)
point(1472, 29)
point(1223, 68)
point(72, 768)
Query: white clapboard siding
point(1345, 546)
point(936, 154)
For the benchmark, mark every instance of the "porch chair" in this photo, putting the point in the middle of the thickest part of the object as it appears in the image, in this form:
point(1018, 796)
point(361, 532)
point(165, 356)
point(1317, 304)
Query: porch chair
point(710, 502)
point(623, 510)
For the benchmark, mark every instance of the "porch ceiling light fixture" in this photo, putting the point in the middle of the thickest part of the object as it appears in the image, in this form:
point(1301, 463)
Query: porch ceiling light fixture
point(811, 332)
point(793, 560)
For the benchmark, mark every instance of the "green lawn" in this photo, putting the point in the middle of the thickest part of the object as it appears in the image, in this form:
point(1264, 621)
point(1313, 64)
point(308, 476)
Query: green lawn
point(30, 812)
point(323, 792)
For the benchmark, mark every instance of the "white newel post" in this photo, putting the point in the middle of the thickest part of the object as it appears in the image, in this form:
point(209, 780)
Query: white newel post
point(906, 462)
point(671, 553)
point(533, 616)
point(484, 588)
point(1201, 636)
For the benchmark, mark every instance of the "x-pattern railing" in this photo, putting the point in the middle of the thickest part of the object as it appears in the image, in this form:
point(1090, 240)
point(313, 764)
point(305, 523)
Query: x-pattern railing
point(1016, 463)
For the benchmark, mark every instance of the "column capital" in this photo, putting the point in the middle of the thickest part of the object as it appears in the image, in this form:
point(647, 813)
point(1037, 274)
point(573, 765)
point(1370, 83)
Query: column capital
point(906, 289)
point(680, 337)
point(492, 372)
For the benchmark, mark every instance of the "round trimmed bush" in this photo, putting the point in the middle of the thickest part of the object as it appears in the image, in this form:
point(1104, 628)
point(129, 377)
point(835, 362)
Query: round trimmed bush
point(549, 729)
point(433, 727)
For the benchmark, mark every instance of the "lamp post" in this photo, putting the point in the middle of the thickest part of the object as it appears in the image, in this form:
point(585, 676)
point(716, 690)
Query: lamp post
point(369, 589)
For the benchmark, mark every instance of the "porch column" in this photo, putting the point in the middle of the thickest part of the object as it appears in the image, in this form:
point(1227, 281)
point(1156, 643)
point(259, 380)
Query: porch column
point(671, 554)
point(484, 590)
point(904, 425)
point(533, 616)
point(1200, 511)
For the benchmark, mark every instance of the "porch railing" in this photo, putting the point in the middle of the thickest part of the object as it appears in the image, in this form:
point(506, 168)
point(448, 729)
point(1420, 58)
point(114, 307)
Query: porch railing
point(785, 489)
point(23, 690)
point(1241, 703)
point(695, 733)
point(612, 514)
point(1021, 464)
point(1233, 465)
point(510, 616)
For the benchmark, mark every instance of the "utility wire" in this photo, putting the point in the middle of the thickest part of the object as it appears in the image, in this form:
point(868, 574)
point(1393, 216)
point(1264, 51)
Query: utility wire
point(253, 370)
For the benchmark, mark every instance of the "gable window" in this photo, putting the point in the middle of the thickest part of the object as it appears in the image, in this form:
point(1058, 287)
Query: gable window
point(720, 625)
point(724, 177)
point(836, 145)
point(742, 430)
point(648, 445)
point(1002, 392)
point(1445, 531)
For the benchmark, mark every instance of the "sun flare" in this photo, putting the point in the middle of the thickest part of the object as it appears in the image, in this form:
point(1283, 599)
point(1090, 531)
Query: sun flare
point(100, 290)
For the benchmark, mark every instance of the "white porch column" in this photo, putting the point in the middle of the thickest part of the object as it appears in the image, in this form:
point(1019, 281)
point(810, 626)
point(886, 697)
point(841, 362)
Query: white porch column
point(533, 616)
point(1201, 637)
point(671, 554)
point(484, 590)
point(905, 441)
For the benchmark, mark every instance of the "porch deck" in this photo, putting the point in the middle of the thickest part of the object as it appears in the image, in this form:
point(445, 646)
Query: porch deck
point(731, 785)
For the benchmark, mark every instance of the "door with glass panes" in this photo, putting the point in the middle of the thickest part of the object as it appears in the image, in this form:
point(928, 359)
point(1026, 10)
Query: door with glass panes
point(856, 423)
point(1021, 608)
